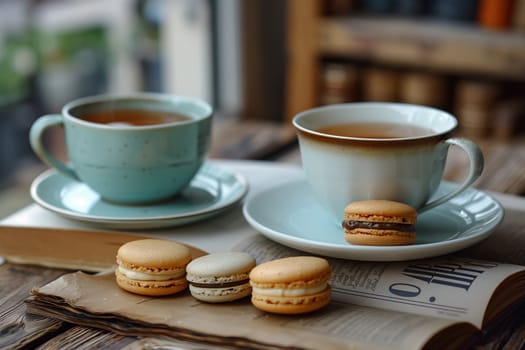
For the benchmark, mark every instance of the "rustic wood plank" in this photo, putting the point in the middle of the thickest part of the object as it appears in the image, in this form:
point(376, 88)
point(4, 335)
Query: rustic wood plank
point(233, 139)
point(509, 334)
point(80, 338)
point(18, 329)
point(503, 170)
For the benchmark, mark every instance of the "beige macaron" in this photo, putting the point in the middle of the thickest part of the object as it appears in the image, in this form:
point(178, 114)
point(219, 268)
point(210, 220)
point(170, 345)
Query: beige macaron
point(152, 267)
point(379, 222)
point(292, 285)
point(220, 277)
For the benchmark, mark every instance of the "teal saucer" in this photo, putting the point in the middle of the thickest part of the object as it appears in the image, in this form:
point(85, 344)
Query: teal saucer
point(213, 190)
point(290, 215)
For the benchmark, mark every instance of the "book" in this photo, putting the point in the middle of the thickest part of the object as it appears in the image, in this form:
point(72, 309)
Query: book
point(518, 16)
point(424, 88)
point(339, 83)
point(495, 14)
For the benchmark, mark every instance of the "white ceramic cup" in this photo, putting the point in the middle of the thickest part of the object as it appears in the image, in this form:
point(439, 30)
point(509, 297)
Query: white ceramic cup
point(344, 169)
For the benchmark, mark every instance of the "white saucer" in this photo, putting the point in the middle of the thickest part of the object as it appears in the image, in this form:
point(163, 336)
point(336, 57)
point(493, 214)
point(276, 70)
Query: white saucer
point(290, 215)
point(212, 191)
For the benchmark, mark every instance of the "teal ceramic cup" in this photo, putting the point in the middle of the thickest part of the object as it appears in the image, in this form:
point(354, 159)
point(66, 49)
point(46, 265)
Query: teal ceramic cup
point(130, 162)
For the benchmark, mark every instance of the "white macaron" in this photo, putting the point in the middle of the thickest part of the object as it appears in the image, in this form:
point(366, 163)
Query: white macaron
point(220, 277)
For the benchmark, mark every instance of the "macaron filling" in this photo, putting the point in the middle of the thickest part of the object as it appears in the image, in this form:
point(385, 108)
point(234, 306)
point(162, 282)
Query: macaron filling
point(219, 284)
point(144, 276)
point(206, 291)
point(289, 292)
point(354, 224)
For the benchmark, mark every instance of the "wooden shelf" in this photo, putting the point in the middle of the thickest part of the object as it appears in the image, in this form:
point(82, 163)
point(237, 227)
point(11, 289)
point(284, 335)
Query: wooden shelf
point(442, 46)
point(439, 46)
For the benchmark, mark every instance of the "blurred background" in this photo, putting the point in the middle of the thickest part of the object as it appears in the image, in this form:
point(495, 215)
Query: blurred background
point(258, 62)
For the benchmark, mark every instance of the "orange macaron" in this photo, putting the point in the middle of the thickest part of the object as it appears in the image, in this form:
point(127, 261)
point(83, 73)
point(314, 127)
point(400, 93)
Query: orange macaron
point(152, 267)
point(292, 285)
point(379, 222)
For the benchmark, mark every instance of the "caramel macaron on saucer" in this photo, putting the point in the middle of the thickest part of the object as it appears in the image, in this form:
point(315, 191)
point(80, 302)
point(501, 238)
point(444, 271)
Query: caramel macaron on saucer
point(379, 222)
point(292, 285)
point(220, 277)
point(153, 267)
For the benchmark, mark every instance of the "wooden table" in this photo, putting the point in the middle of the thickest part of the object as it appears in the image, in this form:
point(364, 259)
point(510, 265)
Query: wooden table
point(504, 169)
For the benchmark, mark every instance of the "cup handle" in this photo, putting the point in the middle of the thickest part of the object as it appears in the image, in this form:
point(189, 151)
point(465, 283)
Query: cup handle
point(35, 138)
point(475, 168)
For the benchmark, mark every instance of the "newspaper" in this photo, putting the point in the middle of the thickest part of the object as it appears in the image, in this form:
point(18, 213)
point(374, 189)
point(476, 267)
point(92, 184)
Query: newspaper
point(406, 305)
point(450, 286)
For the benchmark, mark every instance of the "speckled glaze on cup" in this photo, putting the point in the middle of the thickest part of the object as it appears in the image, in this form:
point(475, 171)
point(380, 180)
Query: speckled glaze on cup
point(130, 164)
point(342, 169)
